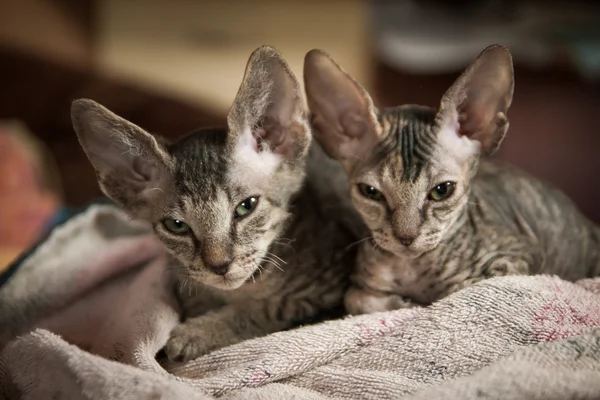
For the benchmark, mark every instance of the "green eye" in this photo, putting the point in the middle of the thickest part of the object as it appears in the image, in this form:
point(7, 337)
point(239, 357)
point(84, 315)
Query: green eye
point(442, 191)
point(246, 207)
point(176, 226)
point(370, 192)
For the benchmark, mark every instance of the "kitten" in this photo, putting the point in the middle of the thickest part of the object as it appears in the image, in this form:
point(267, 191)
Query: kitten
point(258, 248)
point(441, 216)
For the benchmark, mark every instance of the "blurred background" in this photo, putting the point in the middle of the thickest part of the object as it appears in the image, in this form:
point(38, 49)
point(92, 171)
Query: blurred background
point(171, 66)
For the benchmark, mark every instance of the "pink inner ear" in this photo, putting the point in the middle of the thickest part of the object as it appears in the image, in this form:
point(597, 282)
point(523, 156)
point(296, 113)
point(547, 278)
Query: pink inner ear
point(476, 121)
point(142, 172)
point(273, 137)
point(455, 125)
point(253, 138)
point(354, 124)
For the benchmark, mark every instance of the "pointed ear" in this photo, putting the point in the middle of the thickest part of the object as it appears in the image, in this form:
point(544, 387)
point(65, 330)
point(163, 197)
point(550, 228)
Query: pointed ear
point(343, 116)
point(129, 162)
point(475, 106)
point(268, 116)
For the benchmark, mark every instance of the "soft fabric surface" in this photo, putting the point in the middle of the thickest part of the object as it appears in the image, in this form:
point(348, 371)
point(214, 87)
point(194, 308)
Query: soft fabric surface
point(94, 303)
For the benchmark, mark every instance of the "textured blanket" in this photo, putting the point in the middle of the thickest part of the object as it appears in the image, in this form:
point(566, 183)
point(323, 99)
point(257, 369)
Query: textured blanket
point(84, 313)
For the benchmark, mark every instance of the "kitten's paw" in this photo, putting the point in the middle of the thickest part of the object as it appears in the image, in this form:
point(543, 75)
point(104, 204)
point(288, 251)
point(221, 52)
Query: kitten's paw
point(189, 341)
point(396, 302)
point(358, 301)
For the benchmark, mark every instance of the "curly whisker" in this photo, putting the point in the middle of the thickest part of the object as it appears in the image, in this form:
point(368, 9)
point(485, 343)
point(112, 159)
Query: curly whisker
point(275, 256)
point(359, 241)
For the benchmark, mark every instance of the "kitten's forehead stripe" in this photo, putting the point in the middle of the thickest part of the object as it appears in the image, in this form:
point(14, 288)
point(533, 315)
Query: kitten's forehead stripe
point(409, 132)
point(202, 159)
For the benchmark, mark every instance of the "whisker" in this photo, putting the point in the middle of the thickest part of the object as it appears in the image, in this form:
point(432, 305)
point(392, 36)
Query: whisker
point(276, 256)
point(275, 265)
point(271, 258)
point(265, 254)
point(287, 245)
point(259, 267)
point(287, 239)
point(359, 241)
point(377, 247)
point(183, 285)
point(357, 157)
point(272, 261)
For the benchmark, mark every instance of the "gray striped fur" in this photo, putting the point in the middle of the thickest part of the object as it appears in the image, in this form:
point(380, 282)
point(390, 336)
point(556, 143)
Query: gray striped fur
point(498, 221)
point(289, 259)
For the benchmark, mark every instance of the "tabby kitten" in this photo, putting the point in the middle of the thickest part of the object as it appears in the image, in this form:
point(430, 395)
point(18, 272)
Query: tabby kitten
point(440, 216)
point(257, 248)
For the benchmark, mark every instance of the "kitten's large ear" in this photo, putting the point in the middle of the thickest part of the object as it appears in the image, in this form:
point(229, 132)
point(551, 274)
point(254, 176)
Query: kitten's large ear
point(268, 115)
point(342, 112)
point(129, 162)
point(475, 106)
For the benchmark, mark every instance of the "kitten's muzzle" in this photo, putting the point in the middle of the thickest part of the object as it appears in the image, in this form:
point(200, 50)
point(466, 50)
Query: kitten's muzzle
point(406, 240)
point(220, 268)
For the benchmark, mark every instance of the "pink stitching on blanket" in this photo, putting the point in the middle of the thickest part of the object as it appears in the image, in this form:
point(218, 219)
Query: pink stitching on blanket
point(591, 285)
point(257, 375)
point(560, 320)
point(383, 326)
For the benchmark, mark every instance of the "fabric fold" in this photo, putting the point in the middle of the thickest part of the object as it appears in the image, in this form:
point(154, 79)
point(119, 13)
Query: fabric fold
point(85, 313)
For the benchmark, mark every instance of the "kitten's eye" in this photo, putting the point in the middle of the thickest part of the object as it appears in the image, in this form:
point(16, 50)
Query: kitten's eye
point(442, 191)
point(176, 226)
point(370, 192)
point(246, 207)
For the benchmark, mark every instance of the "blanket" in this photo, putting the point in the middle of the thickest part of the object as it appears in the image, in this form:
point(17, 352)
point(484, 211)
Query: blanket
point(85, 312)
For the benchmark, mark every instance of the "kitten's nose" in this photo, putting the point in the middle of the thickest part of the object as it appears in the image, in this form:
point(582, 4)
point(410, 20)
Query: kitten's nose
point(220, 268)
point(406, 240)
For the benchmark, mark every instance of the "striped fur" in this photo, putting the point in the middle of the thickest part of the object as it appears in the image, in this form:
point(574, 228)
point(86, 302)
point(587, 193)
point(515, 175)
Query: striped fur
point(498, 221)
point(288, 259)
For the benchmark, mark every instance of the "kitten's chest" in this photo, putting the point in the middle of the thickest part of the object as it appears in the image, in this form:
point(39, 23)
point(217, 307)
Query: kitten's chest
point(197, 299)
point(422, 279)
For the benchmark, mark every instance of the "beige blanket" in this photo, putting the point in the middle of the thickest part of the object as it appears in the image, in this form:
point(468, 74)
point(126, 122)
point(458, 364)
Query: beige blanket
point(93, 304)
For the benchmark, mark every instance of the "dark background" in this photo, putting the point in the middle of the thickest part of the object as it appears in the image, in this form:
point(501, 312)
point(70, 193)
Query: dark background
point(554, 117)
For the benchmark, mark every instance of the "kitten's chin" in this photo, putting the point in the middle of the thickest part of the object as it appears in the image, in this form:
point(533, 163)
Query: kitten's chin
point(410, 252)
point(407, 253)
point(226, 282)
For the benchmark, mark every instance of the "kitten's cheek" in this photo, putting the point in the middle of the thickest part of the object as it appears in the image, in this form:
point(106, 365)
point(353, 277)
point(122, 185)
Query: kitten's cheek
point(388, 242)
point(424, 245)
point(374, 217)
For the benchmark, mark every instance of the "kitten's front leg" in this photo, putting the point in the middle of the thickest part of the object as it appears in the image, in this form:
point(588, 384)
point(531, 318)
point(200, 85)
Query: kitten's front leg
point(361, 301)
point(502, 266)
point(229, 325)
